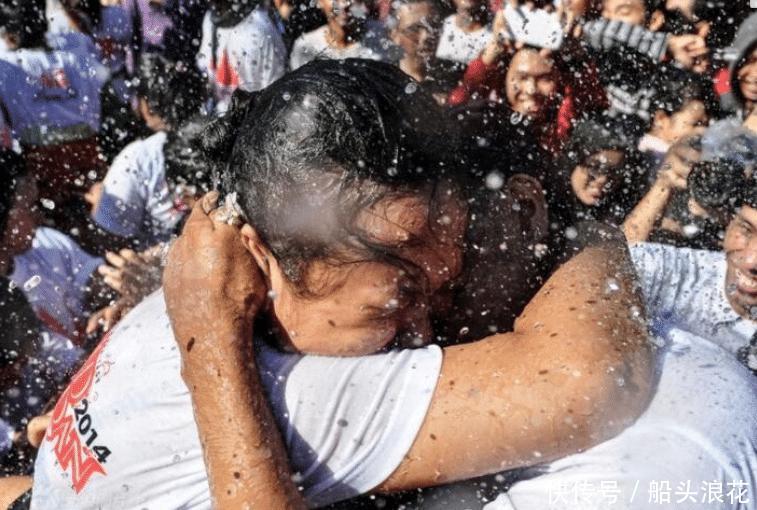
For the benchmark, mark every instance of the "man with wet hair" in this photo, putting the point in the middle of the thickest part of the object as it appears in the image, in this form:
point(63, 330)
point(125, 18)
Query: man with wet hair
point(386, 422)
point(394, 203)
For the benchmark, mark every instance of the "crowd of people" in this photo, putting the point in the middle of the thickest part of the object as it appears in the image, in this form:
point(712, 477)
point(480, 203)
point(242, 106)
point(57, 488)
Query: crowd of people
point(378, 253)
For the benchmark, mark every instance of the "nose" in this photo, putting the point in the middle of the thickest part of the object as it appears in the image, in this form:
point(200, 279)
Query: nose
point(749, 258)
point(528, 86)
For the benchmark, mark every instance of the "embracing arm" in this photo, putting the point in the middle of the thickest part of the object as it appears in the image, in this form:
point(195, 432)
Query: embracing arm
point(245, 458)
point(575, 372)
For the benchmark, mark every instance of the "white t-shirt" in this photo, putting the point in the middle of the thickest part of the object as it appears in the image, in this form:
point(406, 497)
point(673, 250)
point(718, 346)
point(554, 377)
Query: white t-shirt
point(137, 201)
point(313, 45)
point(459, 46)
point(53, 275)
point(700, 430)
point(109, 43)
point(50, 95)
point(685, 289)
point(250, 55)
point(123, 434)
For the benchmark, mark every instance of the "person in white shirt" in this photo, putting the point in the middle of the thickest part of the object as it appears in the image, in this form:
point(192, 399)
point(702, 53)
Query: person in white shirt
point(138, 205)
point(346, 34)
point(240, 48)
point(52, 101)
point(466, 33)
point(371, 309)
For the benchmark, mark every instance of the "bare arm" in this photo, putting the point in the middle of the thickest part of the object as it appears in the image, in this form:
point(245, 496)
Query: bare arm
point(643, 220)
point(575, 372)
point(673, 174)
point(245, 458)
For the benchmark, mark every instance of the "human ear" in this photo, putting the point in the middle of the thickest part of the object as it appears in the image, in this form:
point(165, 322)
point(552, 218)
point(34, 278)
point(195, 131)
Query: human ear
point(258, 249)
point(529, 195)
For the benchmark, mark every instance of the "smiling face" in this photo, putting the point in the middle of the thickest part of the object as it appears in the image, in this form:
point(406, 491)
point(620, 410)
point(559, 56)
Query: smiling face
point(740, 246)
point(595, 177)
point(359, 304)
point(690, 120)
point(747, 75)
point(531, 84)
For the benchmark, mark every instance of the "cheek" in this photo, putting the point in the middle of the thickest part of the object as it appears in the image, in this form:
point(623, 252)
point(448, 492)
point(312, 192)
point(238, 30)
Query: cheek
point(578, 181)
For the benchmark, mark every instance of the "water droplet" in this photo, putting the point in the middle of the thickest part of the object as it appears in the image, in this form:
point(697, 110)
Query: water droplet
point(494, 180)
point(47, 203)
point(571, 233)
point(32, 282)
point(411, 88)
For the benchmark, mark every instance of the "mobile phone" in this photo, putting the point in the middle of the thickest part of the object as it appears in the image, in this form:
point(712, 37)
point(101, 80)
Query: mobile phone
point(535, 27)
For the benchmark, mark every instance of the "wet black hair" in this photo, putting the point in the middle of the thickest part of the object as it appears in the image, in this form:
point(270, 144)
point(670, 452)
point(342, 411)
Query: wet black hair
point(19, 326)
point(185, 161)
point(722, 185)
point(173, 90)
point(86, 14)
point(26, 20)
point(227, 13)
point(589, 137)
point(322, 143)
point(674, 90)
point(12, 169)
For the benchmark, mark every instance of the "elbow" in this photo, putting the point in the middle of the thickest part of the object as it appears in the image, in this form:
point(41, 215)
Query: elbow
point(614, 388)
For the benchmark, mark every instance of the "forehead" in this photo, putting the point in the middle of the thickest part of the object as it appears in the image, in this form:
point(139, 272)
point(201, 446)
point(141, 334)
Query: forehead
point(412, 12)
point(530, 61)
point(612, 156)
point(748, 214)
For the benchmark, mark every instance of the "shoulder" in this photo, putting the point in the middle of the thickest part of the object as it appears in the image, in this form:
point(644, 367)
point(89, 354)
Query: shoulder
point(315, 37)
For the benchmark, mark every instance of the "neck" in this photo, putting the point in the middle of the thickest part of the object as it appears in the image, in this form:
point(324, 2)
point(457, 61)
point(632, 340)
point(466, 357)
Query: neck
point(416, 68)
point(338, 36)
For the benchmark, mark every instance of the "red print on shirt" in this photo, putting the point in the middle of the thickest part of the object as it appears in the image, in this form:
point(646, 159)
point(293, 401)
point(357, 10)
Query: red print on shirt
point(71, 432)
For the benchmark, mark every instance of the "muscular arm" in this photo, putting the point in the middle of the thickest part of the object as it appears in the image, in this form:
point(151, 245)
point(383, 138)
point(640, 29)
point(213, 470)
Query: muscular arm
point(245, 458)
point(575, 372)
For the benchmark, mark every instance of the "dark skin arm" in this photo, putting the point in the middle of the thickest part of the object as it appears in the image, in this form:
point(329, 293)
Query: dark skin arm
point(245, 458)
point(548, 389)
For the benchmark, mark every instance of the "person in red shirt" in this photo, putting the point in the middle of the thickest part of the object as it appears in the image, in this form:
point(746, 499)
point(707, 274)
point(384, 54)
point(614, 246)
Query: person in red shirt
point(535, 83)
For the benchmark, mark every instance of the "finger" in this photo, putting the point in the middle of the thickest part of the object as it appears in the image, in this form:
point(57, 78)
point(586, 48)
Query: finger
point(93, 323)
point(130, 256)
point(114, 283)
point(106, 270)
point(115, 260)
point(198, 218)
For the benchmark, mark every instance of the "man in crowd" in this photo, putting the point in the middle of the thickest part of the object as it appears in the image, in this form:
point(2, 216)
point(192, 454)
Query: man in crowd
point(506, 397)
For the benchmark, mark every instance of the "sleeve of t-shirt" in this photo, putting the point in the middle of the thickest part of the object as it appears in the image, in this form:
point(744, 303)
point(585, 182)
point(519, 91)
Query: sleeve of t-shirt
point(297, 57)
point(81, 265)
point(122, 206)
point(668, 277)
point(349, 422)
